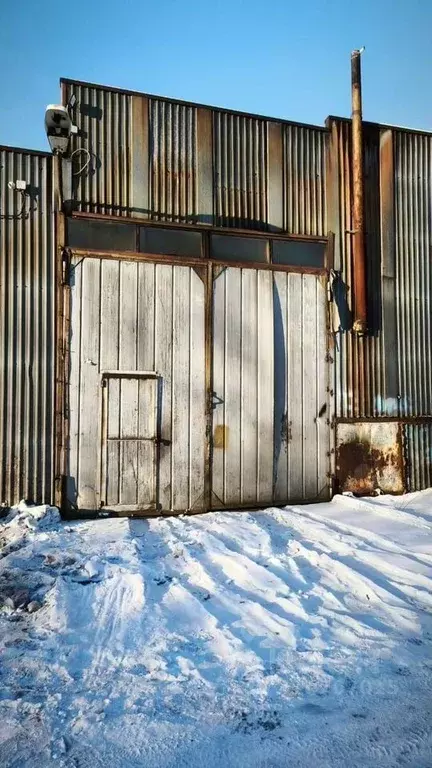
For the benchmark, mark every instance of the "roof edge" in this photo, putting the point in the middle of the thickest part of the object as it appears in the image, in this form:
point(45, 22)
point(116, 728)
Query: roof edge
point(401, 128)
point(126, 92)
point(23, 150)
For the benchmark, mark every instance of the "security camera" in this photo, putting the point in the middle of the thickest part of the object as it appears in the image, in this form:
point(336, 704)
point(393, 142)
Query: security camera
point(59, 128)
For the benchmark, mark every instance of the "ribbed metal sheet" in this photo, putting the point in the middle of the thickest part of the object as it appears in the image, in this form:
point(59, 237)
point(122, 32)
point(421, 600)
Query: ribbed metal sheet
point(240, 171)
point(418, 456)
point(168, 161)
point(413, 202)
point(26, 329)
point(360, 375)
point(130, 317)
point(304, 151)
point(271, 417)
point(173, 161)
point(103, 118)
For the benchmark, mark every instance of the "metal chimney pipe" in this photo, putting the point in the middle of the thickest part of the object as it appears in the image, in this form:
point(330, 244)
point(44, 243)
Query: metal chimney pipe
point(360, 310)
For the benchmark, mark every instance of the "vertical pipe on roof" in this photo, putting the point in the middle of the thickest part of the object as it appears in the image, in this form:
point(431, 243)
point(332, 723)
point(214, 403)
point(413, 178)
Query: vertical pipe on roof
point(360, 320)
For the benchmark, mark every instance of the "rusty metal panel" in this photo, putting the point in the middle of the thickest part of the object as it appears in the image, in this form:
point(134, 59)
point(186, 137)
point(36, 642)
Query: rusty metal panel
point(103, 118)
point(271, 400)
point(418, 456)
point(136, 320)
point(173, 161)
point(304, 168)
point(413, 202)
point(240, 171)
point(369, 457)
point(27, 328)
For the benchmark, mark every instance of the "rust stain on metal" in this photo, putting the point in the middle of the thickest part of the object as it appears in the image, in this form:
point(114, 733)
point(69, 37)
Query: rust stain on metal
point(370, 458)
point(220, 436)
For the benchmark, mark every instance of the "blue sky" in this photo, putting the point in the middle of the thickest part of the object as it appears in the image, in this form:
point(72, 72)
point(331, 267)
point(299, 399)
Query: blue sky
point(280, 58)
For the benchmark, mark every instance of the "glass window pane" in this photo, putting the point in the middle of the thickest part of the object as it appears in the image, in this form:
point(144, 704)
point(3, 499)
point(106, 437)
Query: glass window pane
point(229, 248)
point(299, 253)
point(101, 235)
point(170, 242)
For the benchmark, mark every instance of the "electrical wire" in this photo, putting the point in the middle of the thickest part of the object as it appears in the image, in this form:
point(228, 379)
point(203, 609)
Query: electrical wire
point(87, 162)
point(20, 214)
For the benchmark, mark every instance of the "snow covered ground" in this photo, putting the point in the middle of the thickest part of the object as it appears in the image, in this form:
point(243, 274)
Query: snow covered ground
point(295, 637)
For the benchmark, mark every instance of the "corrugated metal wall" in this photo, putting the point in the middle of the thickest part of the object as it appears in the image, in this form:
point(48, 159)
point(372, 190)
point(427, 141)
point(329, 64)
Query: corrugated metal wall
point(304, 180)
point(418, 456)
point(240, 168)
point(360, 361)
point(413, 204)
point(388, 372)
point(271, 418)
point(27, 337)
point(130, 316)
point(173, 159)
point(104, 121)
point(168, 161)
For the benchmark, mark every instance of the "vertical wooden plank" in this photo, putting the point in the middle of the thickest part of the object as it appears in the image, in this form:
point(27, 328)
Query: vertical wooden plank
point(180, 391)
point(281, 426)
point(109, 361)
point(249, 424)
point(163, 365)
point(146, 317)
point(128, 387)
point(218, 485)
point(197, 400)
point(295, 390)
point(74, 382)
point(310, 403)
point(147, 389)
point(233, 341)
point(146, 448)
point(90, 398)
point(323, 398)
point(265, 387)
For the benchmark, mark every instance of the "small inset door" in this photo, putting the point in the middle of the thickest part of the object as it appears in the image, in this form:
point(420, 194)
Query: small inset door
point(129, 441)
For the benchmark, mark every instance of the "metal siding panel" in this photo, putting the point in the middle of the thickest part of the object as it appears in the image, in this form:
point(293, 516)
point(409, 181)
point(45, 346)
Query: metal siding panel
point(240, 171)
point(27, 332)
point(104, 120)
point(413, 203)
point(304, 173)
point(173, 161)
